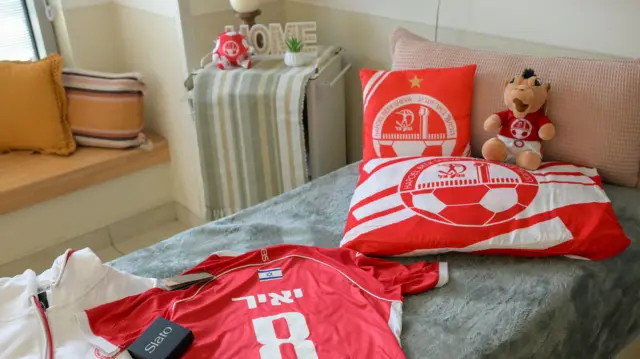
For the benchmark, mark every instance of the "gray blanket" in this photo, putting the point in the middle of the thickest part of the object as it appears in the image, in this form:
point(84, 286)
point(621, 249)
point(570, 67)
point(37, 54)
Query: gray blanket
point(492, 307)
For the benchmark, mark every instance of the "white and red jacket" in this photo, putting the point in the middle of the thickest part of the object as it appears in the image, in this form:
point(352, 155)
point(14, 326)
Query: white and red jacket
point(282, 302)
point(77, 281)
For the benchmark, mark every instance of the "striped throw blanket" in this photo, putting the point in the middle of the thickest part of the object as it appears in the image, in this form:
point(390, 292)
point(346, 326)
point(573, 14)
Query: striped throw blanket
point(250, 132)
point(105, 109)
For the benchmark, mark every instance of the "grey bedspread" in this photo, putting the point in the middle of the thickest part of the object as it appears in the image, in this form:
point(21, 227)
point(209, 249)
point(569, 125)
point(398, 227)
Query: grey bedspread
point(492, 307)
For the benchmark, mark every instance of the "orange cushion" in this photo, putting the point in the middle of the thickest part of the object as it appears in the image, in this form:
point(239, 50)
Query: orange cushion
point(34, 107)
point(418, 112)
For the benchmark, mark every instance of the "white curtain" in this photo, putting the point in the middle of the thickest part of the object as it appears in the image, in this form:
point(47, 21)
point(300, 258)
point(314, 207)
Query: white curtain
point(16, 38)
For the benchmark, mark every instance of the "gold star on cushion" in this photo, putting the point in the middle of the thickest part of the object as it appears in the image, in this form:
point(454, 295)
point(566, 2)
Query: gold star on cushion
point(415, 82)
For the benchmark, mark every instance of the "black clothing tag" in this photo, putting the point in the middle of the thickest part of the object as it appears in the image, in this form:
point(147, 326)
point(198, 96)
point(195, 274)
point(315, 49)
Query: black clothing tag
point(163, 339)
point(44, 302)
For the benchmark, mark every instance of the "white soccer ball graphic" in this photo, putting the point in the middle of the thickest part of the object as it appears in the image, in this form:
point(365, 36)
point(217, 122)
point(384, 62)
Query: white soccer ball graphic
point(470, 192)
point(414, 125)
point(521, 129)
point(387, 148)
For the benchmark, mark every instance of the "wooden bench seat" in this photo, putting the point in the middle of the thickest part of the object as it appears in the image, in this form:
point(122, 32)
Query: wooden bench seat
point(27, 179)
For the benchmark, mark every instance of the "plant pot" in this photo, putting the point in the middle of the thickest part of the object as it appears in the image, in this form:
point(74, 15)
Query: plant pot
point(295, 59)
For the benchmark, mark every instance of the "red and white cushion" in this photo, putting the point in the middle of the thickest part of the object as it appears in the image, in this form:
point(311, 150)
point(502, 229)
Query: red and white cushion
point(417, 112)
point(424, 205)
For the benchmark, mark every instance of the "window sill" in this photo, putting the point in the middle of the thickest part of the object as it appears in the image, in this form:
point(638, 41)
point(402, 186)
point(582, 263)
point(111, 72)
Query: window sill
point(27, 179)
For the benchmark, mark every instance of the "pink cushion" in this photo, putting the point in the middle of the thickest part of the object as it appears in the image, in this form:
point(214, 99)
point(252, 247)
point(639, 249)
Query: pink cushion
point(595, 104)
point(412, 206)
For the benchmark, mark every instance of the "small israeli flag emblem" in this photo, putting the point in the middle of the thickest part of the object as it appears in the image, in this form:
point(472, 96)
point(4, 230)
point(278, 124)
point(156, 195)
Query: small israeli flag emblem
point(269, 274)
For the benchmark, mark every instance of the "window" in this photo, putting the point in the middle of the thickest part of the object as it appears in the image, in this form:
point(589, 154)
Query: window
point(26, 30)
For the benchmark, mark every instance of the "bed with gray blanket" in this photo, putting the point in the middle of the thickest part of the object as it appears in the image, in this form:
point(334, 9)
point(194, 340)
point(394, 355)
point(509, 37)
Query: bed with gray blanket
point(492, 307)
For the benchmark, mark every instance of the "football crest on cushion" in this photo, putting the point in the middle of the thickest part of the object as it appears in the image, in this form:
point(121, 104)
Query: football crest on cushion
point(413, 206)
point(467, 193)
point(414, 124)
point(417, 112)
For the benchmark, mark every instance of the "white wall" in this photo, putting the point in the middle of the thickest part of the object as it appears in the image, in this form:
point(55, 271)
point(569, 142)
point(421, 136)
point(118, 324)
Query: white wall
point(144, 36)
point(75, 214)
point(152, 44)
point(422, 11)
point(607, 27)
point(86, 33)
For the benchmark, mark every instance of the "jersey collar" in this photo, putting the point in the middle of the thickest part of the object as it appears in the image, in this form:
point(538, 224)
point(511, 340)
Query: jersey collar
point(72, 275)
point(16, 294)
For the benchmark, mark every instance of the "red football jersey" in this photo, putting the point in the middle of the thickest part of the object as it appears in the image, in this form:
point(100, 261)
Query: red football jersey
point(282, 302)
point(525, 129)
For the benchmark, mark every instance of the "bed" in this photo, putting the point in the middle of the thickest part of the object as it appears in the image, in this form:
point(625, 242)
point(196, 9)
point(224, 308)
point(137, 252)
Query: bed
point(492, 307)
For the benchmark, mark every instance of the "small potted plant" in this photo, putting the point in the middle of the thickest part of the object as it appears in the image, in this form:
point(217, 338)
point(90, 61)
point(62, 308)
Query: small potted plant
point(294, 56)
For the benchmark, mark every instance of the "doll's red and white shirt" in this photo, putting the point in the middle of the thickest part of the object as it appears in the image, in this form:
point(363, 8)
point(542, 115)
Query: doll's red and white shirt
point(282, 302)
point(523, 129)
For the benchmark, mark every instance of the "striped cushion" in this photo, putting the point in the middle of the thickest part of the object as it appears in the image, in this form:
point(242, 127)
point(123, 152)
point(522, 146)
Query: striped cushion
point(593, 103)
point(105, 110)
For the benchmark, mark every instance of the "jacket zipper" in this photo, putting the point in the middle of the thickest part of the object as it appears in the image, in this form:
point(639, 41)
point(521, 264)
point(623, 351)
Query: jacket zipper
point(47, 329)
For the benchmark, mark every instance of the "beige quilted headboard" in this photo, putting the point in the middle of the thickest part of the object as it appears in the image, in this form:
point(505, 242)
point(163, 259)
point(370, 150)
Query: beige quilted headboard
point(594, 103)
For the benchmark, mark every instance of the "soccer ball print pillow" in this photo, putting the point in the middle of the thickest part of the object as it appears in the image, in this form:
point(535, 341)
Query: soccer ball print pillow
point(417, 112)
point(426, 205)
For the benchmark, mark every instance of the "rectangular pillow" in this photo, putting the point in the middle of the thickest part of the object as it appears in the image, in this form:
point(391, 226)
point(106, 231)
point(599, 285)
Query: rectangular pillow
point(417, 112)
point(105, 109)
point(426, 205)
point(33, 107)
point(593, 103)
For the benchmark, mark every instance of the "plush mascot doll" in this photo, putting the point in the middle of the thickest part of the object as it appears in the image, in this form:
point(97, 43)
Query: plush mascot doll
point(523, 126)
point(232, 49)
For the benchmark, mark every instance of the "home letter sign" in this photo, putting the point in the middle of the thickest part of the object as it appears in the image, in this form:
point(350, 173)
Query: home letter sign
point(274, 36)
